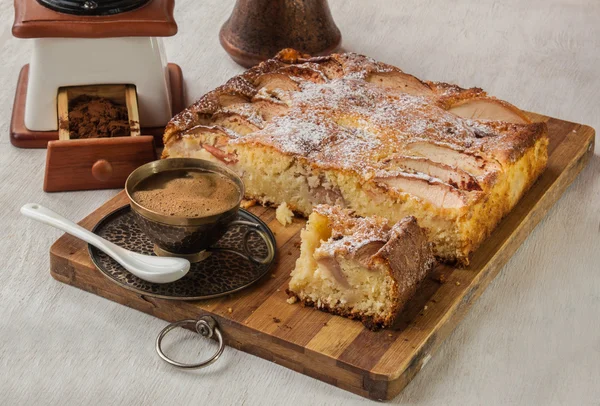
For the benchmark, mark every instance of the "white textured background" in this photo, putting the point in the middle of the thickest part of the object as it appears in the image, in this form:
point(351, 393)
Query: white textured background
point(532, 338)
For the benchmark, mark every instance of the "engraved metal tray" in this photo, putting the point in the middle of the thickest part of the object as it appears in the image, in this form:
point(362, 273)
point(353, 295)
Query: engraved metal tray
point(223, 272)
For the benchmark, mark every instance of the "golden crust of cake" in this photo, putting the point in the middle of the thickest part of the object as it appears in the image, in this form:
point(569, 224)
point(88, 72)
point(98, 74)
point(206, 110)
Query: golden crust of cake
point(360, 267)
point(347, 130)
point(352, 107)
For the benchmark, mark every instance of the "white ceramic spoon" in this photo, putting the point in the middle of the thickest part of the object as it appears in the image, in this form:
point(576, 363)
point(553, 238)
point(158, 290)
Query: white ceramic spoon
point(146, 267)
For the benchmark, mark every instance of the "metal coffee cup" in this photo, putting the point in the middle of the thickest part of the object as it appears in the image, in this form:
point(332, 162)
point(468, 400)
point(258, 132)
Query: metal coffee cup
point(190, 237)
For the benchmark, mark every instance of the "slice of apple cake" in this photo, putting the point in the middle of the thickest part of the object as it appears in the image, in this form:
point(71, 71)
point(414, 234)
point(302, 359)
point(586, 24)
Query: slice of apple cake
point(347, 130)
point(360, 267)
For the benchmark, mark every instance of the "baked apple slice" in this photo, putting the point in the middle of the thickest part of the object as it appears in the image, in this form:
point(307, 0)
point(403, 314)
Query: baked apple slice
point(236, 122)
point(273, 81)
point(471, 164)
point(401, 81)
point(438, 193)
point(445, 173)
point(488, 108)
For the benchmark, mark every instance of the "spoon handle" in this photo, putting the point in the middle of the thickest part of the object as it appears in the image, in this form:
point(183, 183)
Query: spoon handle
point(51, 218)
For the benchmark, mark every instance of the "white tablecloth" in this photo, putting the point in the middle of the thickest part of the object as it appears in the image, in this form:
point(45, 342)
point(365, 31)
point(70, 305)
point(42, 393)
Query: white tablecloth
point(532, 338)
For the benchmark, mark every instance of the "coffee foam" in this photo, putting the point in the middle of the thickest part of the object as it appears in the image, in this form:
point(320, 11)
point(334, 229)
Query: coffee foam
point(187, 193)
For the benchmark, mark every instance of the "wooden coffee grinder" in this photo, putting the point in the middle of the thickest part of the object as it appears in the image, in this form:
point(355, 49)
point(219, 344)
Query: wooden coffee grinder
point(111, 49)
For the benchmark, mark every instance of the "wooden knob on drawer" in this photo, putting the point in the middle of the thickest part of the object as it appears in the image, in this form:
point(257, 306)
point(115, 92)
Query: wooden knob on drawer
point(102, 170)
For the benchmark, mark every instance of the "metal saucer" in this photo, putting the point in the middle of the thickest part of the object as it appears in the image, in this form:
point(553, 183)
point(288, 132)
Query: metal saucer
point(223, 272)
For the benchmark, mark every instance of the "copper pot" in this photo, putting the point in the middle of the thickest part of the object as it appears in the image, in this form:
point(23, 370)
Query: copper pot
point(258, 29)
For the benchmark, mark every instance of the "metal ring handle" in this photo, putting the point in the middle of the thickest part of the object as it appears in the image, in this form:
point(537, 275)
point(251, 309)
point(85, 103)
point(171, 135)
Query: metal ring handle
point(252, 227)
point(206, 326)
point(270, 249)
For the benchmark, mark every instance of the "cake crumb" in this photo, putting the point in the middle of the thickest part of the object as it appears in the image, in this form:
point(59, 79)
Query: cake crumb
point(246, 203)
point(457, 283)
point(284, 215)
point(425, 308)
point(390, 335)
point(272, 275)
point(292, 300)
point(229, 310)
point(276, 320)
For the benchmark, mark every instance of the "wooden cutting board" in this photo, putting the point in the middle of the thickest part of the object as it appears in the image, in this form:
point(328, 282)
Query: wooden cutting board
point(339, 351)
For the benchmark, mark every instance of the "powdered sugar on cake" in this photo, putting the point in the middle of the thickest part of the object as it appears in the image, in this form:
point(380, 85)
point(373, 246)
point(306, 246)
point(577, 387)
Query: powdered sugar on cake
point(335, 117)
point(349, 233)
point(348, 123)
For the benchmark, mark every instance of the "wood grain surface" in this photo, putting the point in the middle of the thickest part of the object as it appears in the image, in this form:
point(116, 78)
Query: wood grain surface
point(32, 20)
point(22, 137)
point(377, 365)
point(95, 163)
point(531, 338)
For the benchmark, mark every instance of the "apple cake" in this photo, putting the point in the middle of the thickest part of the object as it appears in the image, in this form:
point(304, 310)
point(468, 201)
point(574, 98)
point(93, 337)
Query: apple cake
point(363, 268)
point(350, 131)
